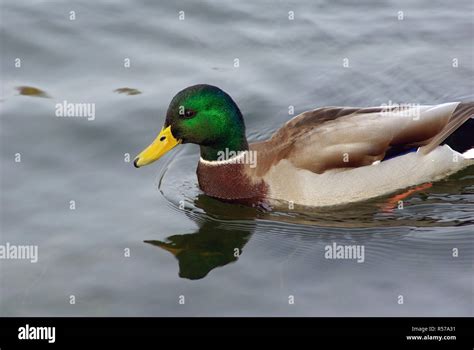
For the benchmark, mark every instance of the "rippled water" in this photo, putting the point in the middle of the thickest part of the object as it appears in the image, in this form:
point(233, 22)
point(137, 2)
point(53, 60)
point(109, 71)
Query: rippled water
point(181, 242)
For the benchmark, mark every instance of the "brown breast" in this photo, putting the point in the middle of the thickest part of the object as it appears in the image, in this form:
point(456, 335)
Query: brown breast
point(230, 182)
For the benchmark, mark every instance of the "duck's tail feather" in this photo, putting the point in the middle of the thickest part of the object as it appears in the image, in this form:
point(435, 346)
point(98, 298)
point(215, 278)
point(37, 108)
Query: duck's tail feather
point(458, 133)
point(469, 154)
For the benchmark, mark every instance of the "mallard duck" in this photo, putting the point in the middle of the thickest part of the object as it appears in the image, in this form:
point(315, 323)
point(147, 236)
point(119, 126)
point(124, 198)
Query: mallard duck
point(322, 157)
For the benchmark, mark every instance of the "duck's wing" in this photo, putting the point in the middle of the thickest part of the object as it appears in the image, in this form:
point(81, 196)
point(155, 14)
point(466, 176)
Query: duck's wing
point(338, 137)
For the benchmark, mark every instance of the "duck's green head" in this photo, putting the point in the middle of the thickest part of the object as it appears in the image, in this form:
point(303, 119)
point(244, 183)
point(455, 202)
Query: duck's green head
point(200, 114)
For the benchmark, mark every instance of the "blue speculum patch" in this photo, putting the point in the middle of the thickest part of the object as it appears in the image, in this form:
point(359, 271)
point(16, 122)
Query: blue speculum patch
point(400, 153)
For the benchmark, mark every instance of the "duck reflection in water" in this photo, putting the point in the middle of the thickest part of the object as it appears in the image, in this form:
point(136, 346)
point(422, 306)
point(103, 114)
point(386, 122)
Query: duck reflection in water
point(216, 243)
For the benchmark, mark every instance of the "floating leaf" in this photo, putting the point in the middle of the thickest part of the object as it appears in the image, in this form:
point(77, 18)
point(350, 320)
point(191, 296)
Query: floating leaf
point(128, 91)
point(31, 91)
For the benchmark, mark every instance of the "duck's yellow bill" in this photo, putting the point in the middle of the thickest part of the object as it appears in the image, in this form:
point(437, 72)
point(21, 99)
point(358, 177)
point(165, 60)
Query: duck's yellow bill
point(164, 142)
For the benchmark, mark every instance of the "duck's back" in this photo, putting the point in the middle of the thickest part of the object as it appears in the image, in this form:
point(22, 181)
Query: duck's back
point(337, 137)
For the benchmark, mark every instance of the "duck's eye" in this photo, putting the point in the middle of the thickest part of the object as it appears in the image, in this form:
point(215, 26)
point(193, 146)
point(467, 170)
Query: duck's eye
point(189, 113)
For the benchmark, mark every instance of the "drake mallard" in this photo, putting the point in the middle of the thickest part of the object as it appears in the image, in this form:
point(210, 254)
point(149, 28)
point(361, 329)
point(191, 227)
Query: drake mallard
point(322, 157)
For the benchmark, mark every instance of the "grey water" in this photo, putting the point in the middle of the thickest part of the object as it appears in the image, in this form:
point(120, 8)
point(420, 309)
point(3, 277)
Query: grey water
point(116, 241)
